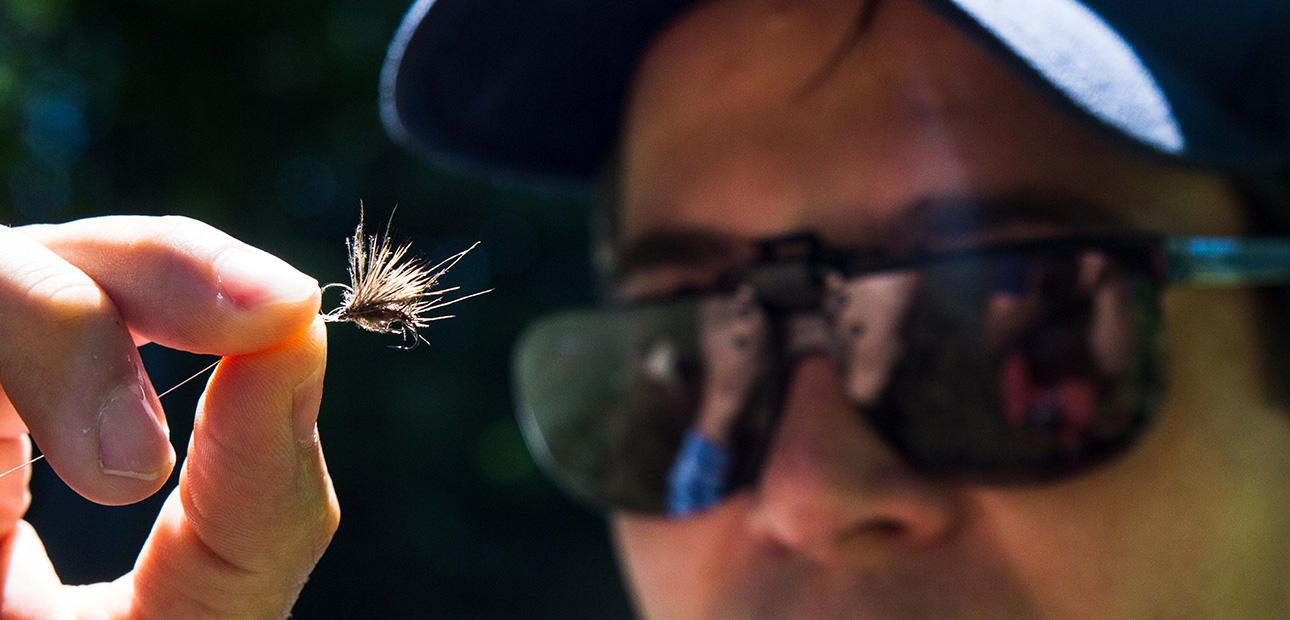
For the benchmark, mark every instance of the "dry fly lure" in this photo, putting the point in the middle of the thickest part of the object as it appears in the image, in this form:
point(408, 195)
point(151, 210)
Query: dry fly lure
point(389, 291)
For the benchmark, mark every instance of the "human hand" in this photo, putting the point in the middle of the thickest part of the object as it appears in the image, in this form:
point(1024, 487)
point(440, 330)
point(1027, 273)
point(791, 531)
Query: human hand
point(254, 508)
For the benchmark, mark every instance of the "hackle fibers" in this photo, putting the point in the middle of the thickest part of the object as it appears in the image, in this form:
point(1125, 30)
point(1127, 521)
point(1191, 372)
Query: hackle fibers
point(390, 291)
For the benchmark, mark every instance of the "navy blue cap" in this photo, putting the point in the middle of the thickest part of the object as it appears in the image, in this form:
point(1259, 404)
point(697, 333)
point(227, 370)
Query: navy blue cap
point(531, 91)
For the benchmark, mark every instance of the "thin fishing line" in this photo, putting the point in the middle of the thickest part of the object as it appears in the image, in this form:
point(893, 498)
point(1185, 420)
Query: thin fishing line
point(199, 373)
point(38, 457)
point(159, 396)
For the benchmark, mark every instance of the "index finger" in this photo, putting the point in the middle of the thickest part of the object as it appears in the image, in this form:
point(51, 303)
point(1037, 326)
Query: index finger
point(66, 358)
point(184, 284)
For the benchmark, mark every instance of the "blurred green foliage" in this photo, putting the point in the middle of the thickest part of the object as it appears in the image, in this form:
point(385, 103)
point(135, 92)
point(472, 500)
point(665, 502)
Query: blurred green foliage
point(260, 117)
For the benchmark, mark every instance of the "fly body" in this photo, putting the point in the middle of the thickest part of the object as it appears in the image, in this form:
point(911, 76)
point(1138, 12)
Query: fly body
point(391, 292)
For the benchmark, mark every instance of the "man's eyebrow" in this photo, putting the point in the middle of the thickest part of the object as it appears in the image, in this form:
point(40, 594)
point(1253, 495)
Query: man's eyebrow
point(938, 219)
point(674, 248)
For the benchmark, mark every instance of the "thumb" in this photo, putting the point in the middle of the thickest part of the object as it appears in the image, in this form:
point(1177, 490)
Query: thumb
point(255, 507)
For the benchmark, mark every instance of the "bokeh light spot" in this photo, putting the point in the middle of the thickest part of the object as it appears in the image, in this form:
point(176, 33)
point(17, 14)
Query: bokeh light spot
point(54, 128)
point(40, 191)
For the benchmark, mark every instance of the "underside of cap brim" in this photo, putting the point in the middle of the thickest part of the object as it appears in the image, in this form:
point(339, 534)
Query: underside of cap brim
point(521, 92)
point(531, 93)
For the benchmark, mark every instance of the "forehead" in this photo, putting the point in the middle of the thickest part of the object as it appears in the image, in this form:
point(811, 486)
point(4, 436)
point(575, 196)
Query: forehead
point(757, 118)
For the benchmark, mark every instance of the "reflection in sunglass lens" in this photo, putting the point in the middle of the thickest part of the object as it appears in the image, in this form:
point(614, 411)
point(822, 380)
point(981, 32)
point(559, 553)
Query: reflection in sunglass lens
point(662, 408)
point(1022, 367)
point(1000, 367)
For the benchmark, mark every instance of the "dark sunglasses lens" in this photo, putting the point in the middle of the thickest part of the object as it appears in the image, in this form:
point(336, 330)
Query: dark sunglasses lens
point(610, 405)
point(1012, 367)
point(1023, 366)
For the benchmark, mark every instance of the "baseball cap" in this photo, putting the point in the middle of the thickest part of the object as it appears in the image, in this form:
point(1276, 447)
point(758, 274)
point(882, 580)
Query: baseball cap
point(530, 92)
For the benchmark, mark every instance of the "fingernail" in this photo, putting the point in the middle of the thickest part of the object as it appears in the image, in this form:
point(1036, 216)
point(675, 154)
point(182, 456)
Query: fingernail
point(252, 278)
point(304, 407)
point(132, 443)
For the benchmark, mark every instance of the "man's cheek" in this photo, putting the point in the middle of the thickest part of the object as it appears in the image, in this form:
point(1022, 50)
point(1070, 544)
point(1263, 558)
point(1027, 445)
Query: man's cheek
point(1061, 563)
point(676, 568)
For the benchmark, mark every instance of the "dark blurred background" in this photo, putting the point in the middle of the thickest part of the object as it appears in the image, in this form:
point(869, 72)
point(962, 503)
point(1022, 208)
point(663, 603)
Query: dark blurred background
point(260, 117)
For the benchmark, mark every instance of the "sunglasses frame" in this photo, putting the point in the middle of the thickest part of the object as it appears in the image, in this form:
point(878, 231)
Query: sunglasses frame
point(790, 273)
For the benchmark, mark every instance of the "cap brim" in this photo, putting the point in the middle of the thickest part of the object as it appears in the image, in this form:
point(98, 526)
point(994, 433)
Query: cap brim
point(527, 92)
point(531, 93)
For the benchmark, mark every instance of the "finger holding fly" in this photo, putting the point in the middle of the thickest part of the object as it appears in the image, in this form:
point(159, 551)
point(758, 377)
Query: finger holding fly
point(70, 370)
point(10, 424)
point(184, 284)
point(15, 452)
point(255, 506)
point(72, 295)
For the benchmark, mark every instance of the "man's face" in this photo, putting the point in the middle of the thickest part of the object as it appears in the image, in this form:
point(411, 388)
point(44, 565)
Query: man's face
point(739, 126)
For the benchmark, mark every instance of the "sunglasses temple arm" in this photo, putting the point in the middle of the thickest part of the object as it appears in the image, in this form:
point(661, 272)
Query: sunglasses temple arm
point(1228, 260)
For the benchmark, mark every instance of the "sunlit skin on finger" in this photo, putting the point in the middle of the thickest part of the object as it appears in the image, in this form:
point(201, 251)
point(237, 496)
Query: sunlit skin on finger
point(255, 507)
point(254, 510)
point(10, 424)
point(184, 284)
point(14, 494)
point(31, 587)
point(79, 299)
point(125, 281)
point(15, 451)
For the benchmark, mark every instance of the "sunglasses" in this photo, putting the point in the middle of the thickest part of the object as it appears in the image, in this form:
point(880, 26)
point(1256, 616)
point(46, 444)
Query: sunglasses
point(1014, 363)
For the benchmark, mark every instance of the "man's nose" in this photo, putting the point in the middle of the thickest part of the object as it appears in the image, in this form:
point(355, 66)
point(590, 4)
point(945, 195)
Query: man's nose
point(830, 486)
